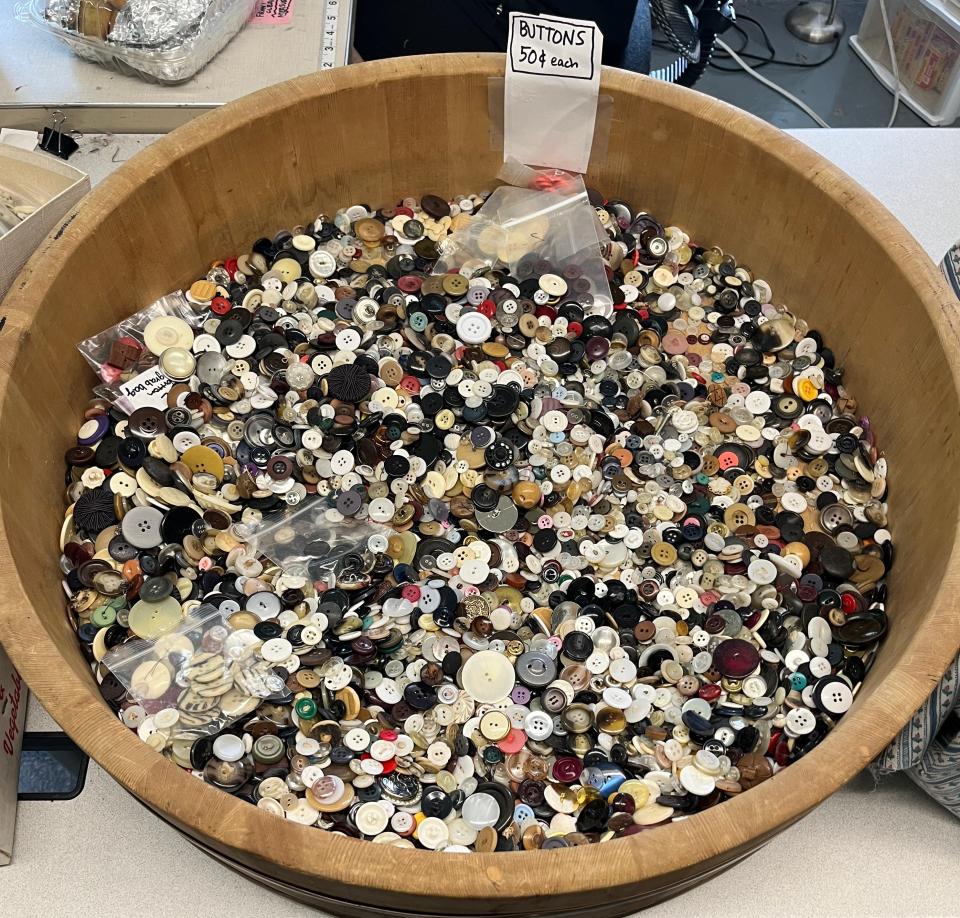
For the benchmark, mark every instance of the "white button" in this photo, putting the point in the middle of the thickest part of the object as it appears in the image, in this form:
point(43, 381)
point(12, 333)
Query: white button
point(371, 818)
point(356, 739)
point(461, 832)
point(554, 421)
point(228, 748)
point(538, 725)
point(757, 403)
point(433, 833)
point(342, 462)
point(481, 810)
point(836, 698)
point(617, 698)
point(474, 572)
point(488, 676)
point(473, 328)
point(696, 781)
point(800, 721)
point(322, 263)
point(276, 650)
point(762, 571)
point(167, 331)
point(348, 339)
point(794, 501)
point(387, 691)
point(820, 667)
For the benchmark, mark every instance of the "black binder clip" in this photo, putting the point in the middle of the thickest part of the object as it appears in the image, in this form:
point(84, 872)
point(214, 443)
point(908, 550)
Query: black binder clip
point(57, 142)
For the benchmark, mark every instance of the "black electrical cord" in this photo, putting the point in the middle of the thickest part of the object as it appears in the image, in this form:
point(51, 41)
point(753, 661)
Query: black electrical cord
point(761, 60)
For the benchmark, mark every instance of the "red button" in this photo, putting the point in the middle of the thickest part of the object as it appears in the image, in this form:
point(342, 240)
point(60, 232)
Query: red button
point(487, 308)
point(848, 603)
point(709, 692)
point(411, 592)
point(221, 305)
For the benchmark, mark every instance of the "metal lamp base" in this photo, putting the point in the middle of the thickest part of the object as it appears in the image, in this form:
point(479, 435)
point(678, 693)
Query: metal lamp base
point(812, 22)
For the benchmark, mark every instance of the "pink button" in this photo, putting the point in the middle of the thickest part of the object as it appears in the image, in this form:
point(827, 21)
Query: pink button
point(545, 522)
point(727, 460)
point(411, 592)
point(514, 741)
point(674, 343)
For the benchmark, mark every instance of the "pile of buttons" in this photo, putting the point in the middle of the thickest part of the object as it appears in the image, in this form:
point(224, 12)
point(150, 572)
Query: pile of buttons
point(635, 555)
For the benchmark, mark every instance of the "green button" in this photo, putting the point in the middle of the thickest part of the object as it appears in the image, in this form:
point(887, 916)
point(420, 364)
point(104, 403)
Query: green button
point(104, 616)
point(306, 708)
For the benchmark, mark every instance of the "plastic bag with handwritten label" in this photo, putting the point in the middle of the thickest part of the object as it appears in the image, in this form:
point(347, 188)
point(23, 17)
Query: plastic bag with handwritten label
point(131, 358)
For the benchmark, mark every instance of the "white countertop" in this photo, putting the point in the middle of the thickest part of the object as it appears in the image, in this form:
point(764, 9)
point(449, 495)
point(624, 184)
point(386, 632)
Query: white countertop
point(869, 850)
point(38, 73)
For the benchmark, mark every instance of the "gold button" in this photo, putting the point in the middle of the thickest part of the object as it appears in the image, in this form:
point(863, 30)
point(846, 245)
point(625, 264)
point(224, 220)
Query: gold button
point(737, 515)
point(526, 494)
point(663, 553)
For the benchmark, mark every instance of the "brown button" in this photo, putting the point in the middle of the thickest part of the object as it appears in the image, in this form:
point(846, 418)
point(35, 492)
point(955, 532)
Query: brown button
point(203, 290)
point(391, 372)
point(433, 284)
point(533, 837)
point(486, 840)
point(369, 230)
point(577, 675)
point(723, 422)
point(611, 720)
point(308, 678)
point(754, 769)
point(644, 631)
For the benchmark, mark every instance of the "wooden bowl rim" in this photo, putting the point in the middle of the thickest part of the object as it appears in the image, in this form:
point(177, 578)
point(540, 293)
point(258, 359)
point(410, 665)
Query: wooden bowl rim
point(614, 866)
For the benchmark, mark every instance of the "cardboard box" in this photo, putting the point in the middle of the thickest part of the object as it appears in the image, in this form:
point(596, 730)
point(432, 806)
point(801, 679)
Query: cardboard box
point(13, 710)
point(48, 183)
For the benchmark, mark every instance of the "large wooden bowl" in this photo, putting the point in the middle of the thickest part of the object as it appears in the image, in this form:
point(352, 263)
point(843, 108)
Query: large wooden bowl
point(374, 133)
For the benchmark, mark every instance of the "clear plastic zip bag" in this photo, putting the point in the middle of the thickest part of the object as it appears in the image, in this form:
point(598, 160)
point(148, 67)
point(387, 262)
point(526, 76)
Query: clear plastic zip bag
point(545, 225)
point(130, 357)
point(197, 674)
point(314, 539)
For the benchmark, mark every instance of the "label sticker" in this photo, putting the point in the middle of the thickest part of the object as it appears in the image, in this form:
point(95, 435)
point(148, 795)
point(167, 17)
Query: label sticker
point(272, 12)
point(146, 390)
point(550, 91)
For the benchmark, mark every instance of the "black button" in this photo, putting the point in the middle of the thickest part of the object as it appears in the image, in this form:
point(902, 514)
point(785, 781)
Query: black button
point(436, 802)
point(578, 646)
point(396, 466)
point(438, 367)
point(156, 589)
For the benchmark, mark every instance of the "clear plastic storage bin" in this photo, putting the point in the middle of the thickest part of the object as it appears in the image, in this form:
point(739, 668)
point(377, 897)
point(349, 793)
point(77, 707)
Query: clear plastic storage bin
point(107, 32)
point(926, 39)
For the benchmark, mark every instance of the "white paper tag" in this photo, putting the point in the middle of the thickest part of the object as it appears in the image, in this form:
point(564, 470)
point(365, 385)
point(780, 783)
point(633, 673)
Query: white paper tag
point(146, 390)
point(551, 89)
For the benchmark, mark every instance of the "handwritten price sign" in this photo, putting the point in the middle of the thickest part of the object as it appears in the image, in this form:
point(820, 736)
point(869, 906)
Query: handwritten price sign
point(552, 47)
point(550, 91)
